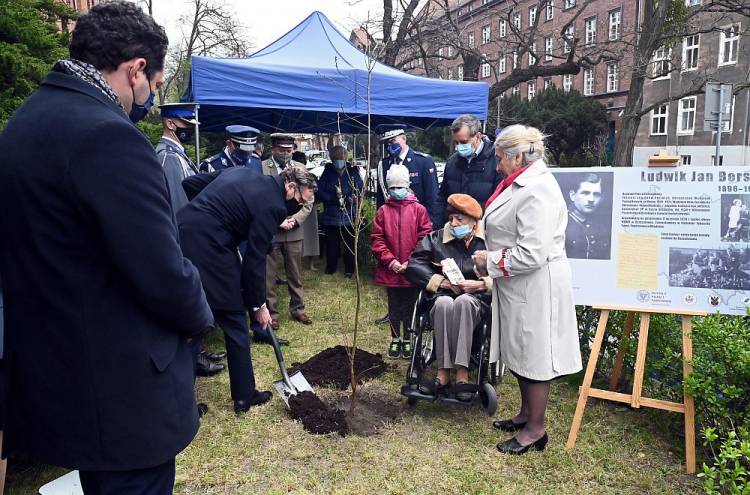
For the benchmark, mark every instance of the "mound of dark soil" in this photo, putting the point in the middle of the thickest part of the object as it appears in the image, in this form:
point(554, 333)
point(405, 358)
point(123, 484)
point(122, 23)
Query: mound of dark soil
point(315, 416)
point(330, 367)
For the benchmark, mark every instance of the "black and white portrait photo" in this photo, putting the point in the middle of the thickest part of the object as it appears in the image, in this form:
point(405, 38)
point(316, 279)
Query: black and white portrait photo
point(735, 217)
point(589, 199)
point(725, 268)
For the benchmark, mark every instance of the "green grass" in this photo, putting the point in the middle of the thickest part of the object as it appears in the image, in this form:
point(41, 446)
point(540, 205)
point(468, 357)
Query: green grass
point(429, 449)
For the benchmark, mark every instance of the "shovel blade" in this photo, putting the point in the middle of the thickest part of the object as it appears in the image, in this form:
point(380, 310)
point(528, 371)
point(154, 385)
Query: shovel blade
point(299, 384)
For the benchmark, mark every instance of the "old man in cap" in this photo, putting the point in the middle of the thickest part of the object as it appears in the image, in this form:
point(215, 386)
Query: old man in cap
point(238, 151)
point(288, 239)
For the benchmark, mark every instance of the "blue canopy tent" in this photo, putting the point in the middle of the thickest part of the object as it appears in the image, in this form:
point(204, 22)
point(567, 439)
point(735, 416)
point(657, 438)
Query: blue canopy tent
point(314, 80)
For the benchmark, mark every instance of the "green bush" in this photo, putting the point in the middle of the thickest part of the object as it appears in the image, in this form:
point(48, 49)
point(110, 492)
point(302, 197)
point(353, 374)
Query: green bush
point(562, 161)
point(550, 158)
point(730, 470)
point(589, 159)
point(576, 160)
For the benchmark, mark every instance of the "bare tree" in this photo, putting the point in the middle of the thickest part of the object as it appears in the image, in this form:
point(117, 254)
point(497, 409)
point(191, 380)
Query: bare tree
point(149, 4)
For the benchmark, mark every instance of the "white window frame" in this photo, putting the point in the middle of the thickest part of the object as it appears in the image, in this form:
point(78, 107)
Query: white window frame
point(450, 73)
point(568, 4)
point(502, 63)
point(615, 24)
point(532, 16)
point(590, 26)
point(686, 108)
point(731, 42)
point(548, 47)
point(486, 70)
point(692, 3)
point(486, 35)
point(503, 28)
point(657, 117)
point(515, 58)
point(567, 82)
point(530, 89)
point(516, 90)
point(569, 35)
point(440, 52)
point(588, 81)
point(662, 59)
point(690, 53)
point(550, 9)
point(518, 20)
point(461, 72)
point(471, 39)
point(450, 51)
point(613, 78)
point(532, 51)
point(547, 83)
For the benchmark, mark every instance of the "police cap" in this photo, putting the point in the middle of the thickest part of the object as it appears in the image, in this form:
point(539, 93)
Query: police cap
point(243, 134)
point(182, 111)
point(388, 131)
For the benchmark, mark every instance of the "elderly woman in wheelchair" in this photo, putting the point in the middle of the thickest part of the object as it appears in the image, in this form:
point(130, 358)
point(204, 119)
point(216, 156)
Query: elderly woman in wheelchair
point(457, 308)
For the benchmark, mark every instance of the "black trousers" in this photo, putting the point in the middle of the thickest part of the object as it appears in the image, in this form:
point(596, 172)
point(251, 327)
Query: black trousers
point(400, 307)
point(239, 361)
point(157, 480)
point(334, 236)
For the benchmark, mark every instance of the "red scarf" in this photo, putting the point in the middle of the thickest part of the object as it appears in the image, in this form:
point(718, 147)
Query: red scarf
point(504, 185)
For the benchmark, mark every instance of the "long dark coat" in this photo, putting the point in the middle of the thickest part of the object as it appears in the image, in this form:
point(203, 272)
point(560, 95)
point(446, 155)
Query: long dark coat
point(98, 297)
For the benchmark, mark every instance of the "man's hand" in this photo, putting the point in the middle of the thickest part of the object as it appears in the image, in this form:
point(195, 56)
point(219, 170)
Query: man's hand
point(447, 285)
point(472, 286)
point(480, 263)
point(263, 317)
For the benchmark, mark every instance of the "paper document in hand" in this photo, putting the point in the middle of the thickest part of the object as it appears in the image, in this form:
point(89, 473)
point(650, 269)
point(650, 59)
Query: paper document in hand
point(450, 270)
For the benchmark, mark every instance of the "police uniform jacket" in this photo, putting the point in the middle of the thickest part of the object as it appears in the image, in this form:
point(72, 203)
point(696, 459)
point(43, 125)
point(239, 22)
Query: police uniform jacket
point(422, 175)
point(227, 207)
point(478, 178)
point(98, 297)
point(219, 161)
point(176, 166)
point(297, 232)
point(586, 239)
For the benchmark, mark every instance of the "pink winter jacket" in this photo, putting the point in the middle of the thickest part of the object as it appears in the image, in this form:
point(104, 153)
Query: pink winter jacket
point(398, 228)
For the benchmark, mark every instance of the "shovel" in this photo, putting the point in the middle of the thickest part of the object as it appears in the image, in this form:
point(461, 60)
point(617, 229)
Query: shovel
point(288, 385)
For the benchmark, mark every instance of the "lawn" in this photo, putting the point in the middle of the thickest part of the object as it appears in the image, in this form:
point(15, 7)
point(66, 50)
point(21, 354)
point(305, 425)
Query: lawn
point(428, 448)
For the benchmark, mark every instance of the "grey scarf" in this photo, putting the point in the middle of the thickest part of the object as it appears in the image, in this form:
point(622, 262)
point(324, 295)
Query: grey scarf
point(87, 72)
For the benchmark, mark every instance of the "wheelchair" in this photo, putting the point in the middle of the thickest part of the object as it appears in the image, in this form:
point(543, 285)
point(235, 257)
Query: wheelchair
point(423, 345)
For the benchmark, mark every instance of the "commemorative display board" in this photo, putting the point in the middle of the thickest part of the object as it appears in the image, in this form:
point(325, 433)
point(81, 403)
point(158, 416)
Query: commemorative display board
point(659, 239)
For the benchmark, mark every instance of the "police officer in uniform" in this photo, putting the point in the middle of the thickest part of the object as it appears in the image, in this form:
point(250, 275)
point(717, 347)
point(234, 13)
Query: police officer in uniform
point(238, 151)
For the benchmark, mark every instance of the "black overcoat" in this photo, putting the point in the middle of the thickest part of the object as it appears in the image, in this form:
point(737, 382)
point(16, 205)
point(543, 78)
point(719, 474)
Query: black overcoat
point(99, 299)
point(226, 208)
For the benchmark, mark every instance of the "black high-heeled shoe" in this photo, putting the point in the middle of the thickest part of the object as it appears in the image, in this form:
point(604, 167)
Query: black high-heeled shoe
point(508, 425)
point(514, 448)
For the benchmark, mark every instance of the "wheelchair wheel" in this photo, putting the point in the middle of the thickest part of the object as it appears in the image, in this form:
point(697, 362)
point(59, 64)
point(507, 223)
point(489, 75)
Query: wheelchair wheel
point(489, 399)
point(497, 371)
point(428, 342)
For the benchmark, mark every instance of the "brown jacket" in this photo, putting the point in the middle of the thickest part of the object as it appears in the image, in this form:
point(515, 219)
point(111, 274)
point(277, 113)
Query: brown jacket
point(296, 234)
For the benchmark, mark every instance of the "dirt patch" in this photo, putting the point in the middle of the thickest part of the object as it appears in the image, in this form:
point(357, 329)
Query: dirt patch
point(315, 416)
point(373, 410)
point(330, 367)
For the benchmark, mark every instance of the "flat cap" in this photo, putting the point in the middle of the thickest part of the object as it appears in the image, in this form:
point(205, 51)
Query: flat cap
point(466, 205)
point(183, 111)
point(388, 131)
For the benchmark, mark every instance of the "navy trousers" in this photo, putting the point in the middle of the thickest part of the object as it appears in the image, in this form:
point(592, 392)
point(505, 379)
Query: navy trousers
point(157, 480)
point(237, 340)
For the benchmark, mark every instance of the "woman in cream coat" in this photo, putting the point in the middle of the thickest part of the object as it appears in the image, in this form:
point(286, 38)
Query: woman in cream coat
point(532, 306)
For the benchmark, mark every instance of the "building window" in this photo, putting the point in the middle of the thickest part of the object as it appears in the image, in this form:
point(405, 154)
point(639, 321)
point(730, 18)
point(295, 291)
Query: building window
point(515, 58)
point(613, 81)
point(713, 160)
point(530, 89)
point(471, 40)
point(588, 81)
point(690, 52)
point(547, 82)
point(567, 82)
point(686, 159)
point(485, 66)
point(548, 49)
point(503, 28)
point(461, 72)
point(532, 16)
point(550, 10)
point(568, 37)
point(615, 22)
point(569, 4)
point(516, 91)
point(450, 73)
point(450, 51)
point(517, 20)
point(590, 31)
point(692, 3)
point(485, 35)
point(729, 40)
point(662, 64)
point(501, 63)
point(532, 52)
point(485, 2)
point(659, 120)
point(440, 52)
point(686, 115)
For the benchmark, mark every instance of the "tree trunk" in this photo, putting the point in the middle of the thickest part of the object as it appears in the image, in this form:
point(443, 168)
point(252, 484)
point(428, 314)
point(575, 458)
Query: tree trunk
point(631, 120)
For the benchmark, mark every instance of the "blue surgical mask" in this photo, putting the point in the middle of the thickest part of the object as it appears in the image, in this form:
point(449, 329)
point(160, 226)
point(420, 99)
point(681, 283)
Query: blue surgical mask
point(339, 164)
point(240, 157)
point(461, 231)
point(465, 150)
point(398, 194)
point(394, 149)
point(138, 111)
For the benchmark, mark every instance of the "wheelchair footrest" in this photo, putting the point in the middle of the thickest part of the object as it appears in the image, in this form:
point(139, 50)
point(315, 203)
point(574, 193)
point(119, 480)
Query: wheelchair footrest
point(412, 392)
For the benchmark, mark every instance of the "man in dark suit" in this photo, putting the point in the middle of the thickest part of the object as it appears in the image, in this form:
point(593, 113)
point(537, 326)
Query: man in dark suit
point(99, 301)
point(228, 207)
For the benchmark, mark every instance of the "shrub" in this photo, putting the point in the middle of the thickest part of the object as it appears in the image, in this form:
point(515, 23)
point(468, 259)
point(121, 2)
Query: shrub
point(576, 160)
point(550, 158)
point(589, 159)
point(730, 470)
point(562, 160)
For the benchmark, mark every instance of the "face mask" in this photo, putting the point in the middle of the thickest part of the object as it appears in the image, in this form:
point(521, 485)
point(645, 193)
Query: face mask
point(394, 149)
point(184, 133)
point(461, 231)
point(282, 158)
point(249, 148)
point(339, 164)
point(398, 194)
point(137, 111)
point(292, 206)
point(465, 150)
point(240, 157)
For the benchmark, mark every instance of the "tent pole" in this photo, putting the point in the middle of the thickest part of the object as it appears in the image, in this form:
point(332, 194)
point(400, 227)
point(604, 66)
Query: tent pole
point(197, 137)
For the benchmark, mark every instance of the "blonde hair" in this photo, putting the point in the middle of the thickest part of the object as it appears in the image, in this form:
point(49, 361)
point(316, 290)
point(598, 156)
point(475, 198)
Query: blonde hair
point(520, 139)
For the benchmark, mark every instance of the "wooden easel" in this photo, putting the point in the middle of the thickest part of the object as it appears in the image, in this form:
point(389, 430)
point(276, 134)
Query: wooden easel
point(635, 400)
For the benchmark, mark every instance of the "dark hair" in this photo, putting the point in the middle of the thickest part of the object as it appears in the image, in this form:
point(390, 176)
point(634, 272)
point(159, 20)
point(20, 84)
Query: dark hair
point(449, 210)
point(300, 156)
point(301, 177)
point(115, 32)
point(592, 178)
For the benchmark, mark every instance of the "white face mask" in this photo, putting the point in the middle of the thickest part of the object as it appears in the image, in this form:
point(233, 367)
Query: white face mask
point(249, 148)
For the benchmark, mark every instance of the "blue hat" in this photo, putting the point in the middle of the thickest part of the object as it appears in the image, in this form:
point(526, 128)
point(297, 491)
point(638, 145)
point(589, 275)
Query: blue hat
point(183, 111)
point(243, 134)
point(388, 131)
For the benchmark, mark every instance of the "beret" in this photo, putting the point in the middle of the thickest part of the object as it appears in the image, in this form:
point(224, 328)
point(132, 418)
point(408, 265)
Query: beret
point(466, 204)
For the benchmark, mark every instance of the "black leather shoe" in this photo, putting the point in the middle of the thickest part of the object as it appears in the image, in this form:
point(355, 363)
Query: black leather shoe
point(205, 367)
point(281, 281)
point(202, 409)
point(514, 448)
point(383, 320)
point(256, 399)
point(508, 425)
point(265, 339)
point(211, 355)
